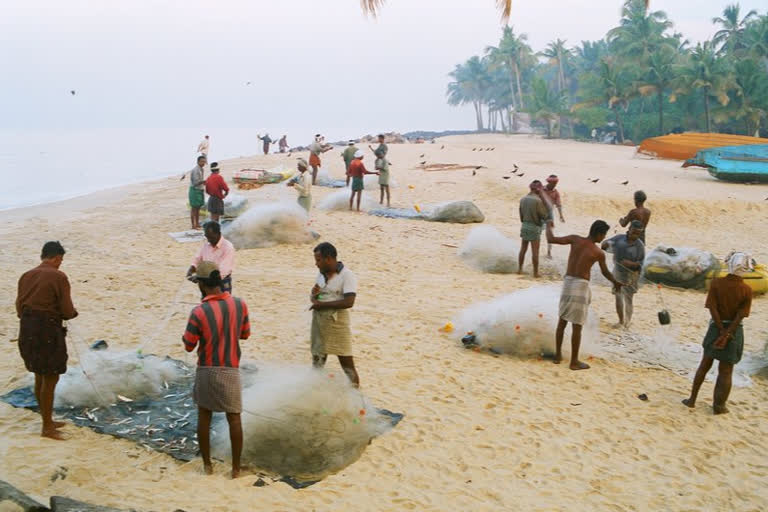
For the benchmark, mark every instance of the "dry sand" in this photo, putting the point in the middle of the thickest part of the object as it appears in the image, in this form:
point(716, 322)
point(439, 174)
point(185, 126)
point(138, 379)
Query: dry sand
point(480, 432)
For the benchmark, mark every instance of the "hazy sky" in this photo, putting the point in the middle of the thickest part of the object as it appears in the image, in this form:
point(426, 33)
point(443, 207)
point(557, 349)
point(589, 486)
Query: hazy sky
point(313, 65)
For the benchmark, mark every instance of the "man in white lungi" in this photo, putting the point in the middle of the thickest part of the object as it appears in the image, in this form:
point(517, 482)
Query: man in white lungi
point(332, 297)
point(576, 295)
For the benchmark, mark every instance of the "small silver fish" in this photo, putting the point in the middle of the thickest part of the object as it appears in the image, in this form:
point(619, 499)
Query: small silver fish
point(142, 412)
point(124, 398)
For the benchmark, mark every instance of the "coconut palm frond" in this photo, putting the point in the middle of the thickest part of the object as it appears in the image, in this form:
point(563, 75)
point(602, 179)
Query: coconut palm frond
point(505, 6)
point(371, 6)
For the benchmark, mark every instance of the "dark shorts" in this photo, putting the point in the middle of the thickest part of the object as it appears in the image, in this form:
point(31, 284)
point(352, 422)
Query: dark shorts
point(196, 198)
point(357, 183)
point(42, 343)
point(733, 349)
point(215, 205)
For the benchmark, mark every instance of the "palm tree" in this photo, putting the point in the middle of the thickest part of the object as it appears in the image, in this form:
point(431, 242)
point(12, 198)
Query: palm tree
point(609, 85)
point(731, 36)
point(708, 74)
point(590, 55)
point(557, 54)
point(504, 7)
point(639, 32)
point(756, 37)
point(659, 78)
point(513, 52)
point(469, 85)
point(750, 103)
point(546, 104)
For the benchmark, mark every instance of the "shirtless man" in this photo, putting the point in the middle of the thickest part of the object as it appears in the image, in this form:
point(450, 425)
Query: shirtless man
point(576, 295)
point(639, 212)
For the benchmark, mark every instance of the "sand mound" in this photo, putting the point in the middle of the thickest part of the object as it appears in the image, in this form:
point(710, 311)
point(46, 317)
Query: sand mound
point(269, 224)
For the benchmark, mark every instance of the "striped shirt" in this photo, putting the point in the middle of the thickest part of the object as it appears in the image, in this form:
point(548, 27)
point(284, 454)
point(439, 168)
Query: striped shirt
point(218, 324)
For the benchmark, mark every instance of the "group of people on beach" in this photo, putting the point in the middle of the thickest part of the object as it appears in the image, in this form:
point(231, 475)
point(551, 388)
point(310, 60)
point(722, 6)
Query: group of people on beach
point(221, 320)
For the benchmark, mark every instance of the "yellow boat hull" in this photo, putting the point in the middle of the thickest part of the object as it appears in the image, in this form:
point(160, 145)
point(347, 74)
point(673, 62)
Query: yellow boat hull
point(757, 280)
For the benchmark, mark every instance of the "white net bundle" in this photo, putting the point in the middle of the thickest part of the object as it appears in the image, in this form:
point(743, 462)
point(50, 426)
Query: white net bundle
point(684, 267)
point(109, 374)
point(300, 421)
point(521, 323)
point(339, 201)
point(268, 224)
point(487, 250)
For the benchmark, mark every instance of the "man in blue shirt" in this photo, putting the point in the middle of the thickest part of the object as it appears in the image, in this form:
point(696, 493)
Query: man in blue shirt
point(628, 256)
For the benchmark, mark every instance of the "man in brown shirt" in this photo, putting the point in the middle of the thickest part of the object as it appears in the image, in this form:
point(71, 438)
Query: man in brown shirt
point(42, 303)
point(729, 301)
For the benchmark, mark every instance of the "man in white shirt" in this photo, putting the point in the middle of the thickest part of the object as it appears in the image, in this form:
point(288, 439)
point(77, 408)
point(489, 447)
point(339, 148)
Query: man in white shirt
point(332, 297)
point(204, 145)
point(303, 185)
point(218, 250)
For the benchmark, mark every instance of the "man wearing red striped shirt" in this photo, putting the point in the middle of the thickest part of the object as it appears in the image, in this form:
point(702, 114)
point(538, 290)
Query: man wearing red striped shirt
point(215, 328)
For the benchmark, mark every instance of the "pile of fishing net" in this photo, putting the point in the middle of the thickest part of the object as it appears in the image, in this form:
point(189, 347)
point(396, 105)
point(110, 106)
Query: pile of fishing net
point(324, 179)
point(339, 201)
point(268, 224)
point(105, 377)
point(302, 422)
point(521, 323)
point(234, 205)
point(458, 212)
point(682, 267)
point(487, 250)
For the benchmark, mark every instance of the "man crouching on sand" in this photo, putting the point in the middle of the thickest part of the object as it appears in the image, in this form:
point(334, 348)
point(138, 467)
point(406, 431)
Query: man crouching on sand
point(576, 295)
point(216, 325)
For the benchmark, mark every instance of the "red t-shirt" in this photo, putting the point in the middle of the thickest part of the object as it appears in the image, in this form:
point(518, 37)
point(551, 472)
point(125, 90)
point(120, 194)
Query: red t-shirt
point(357, 168)
point(215, 186)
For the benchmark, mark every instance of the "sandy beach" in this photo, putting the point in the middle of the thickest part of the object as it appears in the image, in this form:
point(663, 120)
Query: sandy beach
point(480, 432)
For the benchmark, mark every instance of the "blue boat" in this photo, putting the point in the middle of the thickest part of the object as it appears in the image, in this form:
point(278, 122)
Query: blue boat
point(742, 164)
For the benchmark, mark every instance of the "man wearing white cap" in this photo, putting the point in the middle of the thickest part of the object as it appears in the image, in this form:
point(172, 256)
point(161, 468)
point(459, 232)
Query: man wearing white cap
point(302, 185)
point(356, 171)
point(729, 301)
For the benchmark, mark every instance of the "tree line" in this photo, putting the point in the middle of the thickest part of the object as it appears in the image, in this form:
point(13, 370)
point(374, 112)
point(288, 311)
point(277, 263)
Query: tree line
point(641, 80)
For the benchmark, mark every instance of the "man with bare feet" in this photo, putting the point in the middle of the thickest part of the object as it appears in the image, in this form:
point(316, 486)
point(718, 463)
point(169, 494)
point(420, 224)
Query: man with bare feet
point(196, 191)
point(533, 215)
point(576, 295)
point(43, 302)
point(729, 301)
point(551, 196)
point(215, 327)
point(332, 296)
point(357, 171)
point(628, 256)
point(639, 212)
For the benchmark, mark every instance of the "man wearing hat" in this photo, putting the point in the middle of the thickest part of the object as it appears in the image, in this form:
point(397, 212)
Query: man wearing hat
point(729, 302)
point(356, 171)
point(628, 256)
point(348, 155)
point(551, 195)
point(217, 190)
point(215, 327)
point(303, 185)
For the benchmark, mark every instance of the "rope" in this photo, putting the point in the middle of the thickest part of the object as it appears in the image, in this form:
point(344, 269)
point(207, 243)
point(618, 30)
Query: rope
point(80, 360)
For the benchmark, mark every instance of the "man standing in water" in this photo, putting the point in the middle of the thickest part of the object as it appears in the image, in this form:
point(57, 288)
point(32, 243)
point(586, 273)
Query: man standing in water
point(576, 295)
point(628, 256)
point(217, 325)
point(196, 191)
point(639, 212)
point(533, 215)
point(729, 301)
point(42, 303)
point(332, 297)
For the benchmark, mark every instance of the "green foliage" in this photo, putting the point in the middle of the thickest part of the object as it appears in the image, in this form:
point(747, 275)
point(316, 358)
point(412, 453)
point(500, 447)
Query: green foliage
point(643, 78)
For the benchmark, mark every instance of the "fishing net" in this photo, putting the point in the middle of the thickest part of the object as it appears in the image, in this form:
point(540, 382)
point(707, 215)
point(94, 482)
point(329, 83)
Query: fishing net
point(459, 212)
point(487, 250)
point(339, 201)
point(682, 267)
point(234, 205)
point(268, 224)
point(521, 323)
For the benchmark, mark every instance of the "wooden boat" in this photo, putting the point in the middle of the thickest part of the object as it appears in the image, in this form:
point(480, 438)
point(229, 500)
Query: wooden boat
point(685, 145)
point(742, 164)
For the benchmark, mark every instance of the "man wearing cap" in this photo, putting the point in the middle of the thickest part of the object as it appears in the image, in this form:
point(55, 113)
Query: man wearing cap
point(332, 296)
point(303, 185)
point(729, 301)
point(215, 327)
point(196, 191)
point(628, 256)
point(552, 197)
point(356, 171)
point(533, 214)
point(218, 250)
point(315, 150)
point(217, 190)
point(348, 155)
point(43, 302)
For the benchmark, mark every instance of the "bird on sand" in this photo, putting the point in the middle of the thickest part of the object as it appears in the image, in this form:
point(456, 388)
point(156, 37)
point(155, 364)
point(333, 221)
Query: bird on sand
point(595, 180)
point(474, 149)
point(421, 155)
point(422, 163)
point(515, 166)
point(520, 175)
point(625, 182)
point(72, 92)
point(506, 177)
point(289, 154)
point(474, 172)
point(442, 147)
